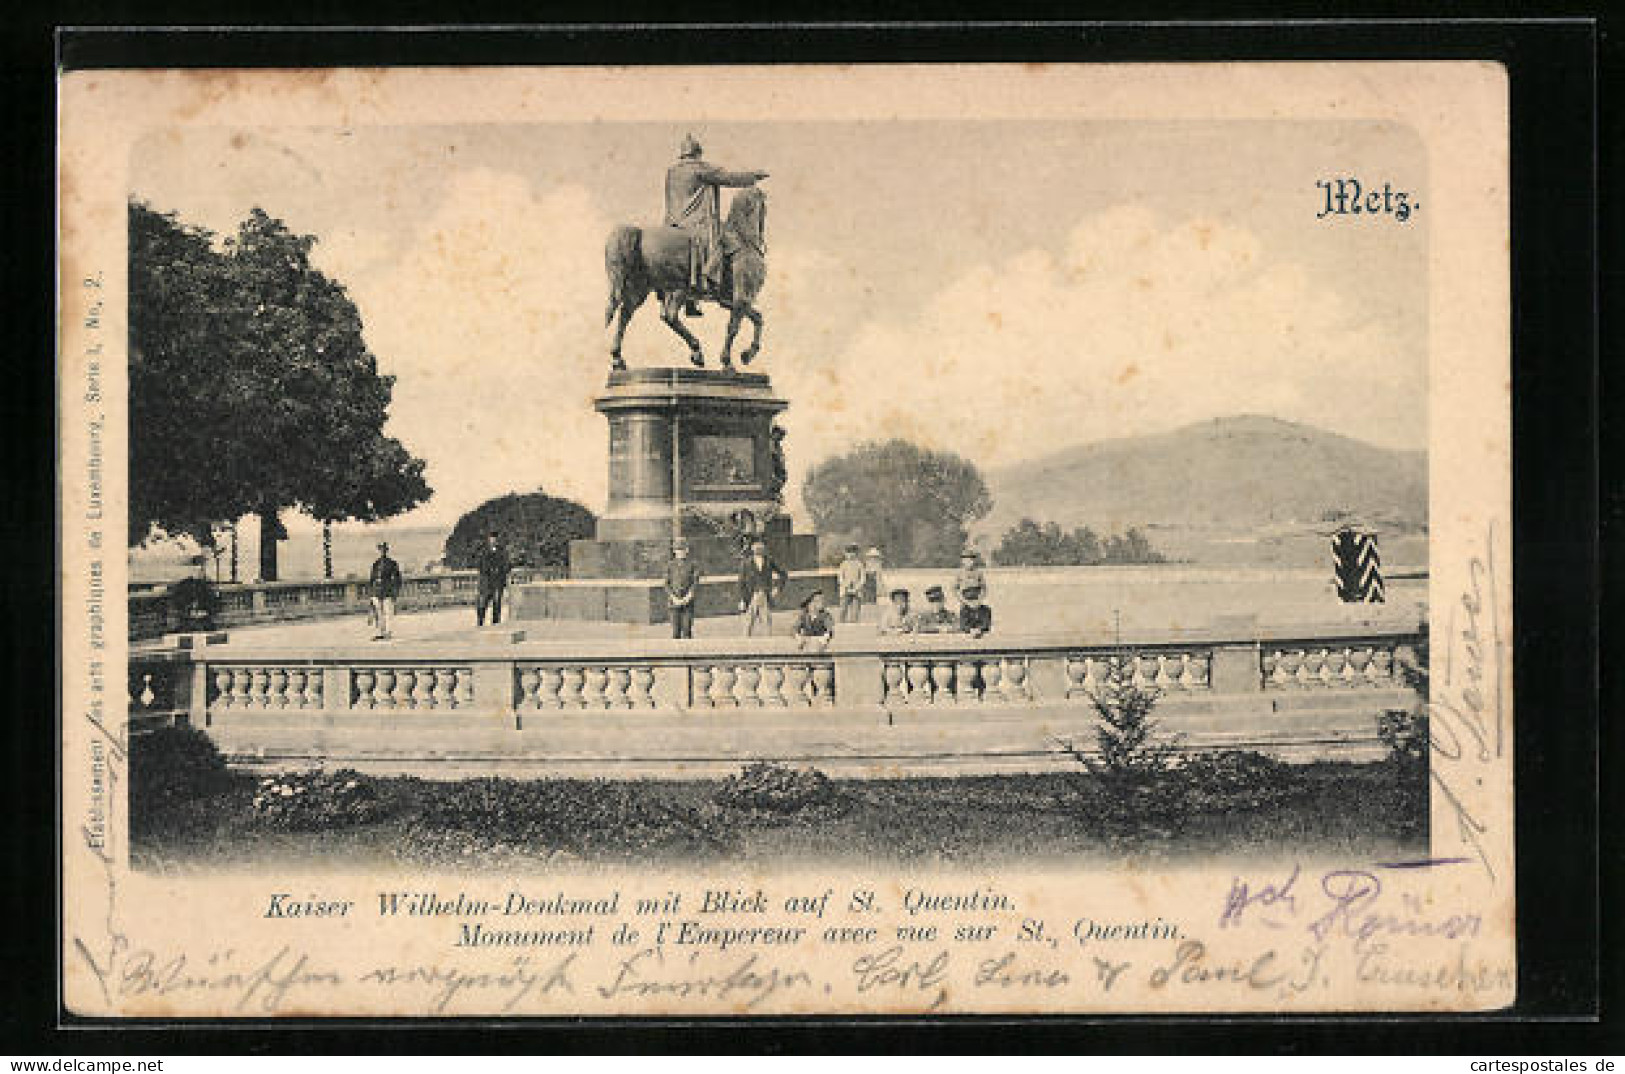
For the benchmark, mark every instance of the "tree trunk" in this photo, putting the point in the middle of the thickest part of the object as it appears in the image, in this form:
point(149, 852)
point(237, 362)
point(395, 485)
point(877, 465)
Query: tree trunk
point(327, 550)
point(270, 530)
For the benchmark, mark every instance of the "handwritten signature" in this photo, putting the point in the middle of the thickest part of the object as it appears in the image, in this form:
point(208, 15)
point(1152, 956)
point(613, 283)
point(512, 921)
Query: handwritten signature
point(1467, 715)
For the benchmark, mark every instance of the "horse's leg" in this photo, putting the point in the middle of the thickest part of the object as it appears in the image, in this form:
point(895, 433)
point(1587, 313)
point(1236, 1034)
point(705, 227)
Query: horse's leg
point(671, 311)
point(751, 351)
point(735, 312)
point(623, 316)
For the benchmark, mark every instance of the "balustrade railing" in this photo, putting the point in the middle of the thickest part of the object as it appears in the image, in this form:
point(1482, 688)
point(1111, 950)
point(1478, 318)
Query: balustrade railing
point(731, 676)
point(152, 615)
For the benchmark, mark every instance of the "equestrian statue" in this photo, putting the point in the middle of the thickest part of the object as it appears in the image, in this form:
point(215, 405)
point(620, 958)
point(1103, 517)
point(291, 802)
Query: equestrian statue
point(696, 256)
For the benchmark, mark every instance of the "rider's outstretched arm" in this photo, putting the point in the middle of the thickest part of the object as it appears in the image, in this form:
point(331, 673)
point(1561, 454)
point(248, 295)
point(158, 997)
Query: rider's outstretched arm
point(723, 177)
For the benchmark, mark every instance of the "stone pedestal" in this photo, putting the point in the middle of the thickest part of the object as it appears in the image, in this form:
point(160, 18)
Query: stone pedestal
point(691, 454)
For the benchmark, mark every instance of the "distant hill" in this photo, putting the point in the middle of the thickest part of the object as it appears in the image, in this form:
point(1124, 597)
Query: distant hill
point(1239, 474)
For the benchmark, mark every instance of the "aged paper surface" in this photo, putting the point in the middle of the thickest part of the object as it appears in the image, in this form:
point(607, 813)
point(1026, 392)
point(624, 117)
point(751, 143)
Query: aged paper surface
point(998, 261)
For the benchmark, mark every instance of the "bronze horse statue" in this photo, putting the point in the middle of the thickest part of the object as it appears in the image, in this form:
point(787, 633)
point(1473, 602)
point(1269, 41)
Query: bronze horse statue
point(641, 260)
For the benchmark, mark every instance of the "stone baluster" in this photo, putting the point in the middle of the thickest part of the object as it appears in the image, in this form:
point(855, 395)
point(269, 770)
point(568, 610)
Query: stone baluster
point(919, 682)
point(797, 685)
point(1200, 670)
point(823, 684)
point(529, 680)
point(1337, 666)
point(259, 688)
point(294, 697)
point(992, 681)
point(699, 686)
point(222, 686)
point(384, 690)
point(276, 690)
point(643, 680)
point(942, 681)
point(1014, 676)
point(773, 685)
point(618, 695)
point(891, 684)
point(363, 682)
point(550, 680)
point(1146, 668)
point(1382, 665)
point(1359, 665)
point(1077, 676)
point(750, 681)
point(423, 688)
point(1096, 675)
point(592, 690)
point(965, 682)
point(405, 680)
point(445, 683)
point(723, 678)
point(1168, 672)
point(464, 691)
point(1290, 664)
point(570, 691)
point(1314, 668)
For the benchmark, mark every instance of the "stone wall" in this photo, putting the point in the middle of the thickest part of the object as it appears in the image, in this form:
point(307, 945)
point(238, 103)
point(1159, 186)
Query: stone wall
point(681, 709)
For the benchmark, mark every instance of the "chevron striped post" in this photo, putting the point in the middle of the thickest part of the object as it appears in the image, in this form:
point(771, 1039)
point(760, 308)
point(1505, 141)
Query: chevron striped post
point(1357, 567)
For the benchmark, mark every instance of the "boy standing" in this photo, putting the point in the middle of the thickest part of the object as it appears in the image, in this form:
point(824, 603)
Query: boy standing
point(850, 580)
point(681, 578)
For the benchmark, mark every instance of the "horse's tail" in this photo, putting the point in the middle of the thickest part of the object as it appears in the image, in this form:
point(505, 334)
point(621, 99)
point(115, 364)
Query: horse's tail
point(621, 254)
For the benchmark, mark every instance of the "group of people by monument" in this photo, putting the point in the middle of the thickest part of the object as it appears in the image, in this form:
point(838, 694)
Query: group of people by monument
point(973, 616)
point(761, 582)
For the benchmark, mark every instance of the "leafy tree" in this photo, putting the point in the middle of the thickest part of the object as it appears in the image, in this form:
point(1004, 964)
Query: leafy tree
point(1028, 544)
point(535, 528)
point(913, 503)
point(252, 389)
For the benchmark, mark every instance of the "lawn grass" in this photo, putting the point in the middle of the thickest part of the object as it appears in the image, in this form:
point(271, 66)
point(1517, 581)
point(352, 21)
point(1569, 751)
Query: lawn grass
point(1345, 810)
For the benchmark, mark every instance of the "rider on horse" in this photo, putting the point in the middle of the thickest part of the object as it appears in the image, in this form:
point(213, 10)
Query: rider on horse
point(693, 204)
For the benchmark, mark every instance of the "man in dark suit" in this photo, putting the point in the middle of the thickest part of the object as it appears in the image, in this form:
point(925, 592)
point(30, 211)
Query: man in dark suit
point(760, 580)
point(384, 585)
point(493, 565)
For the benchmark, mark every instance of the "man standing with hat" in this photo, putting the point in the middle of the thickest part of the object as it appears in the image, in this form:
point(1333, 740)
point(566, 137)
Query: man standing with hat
point(850, 580)
point(492, 563)
point(969, 575)
point(681, 579)
point(383, 586)
point(760, 580)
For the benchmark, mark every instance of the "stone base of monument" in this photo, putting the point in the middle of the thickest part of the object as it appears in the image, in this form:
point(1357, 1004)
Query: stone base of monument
point(636, 600)
point(692, 454)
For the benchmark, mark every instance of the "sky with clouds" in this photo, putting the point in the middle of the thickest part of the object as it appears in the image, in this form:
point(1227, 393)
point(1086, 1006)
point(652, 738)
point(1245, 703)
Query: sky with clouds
point(1002, 289)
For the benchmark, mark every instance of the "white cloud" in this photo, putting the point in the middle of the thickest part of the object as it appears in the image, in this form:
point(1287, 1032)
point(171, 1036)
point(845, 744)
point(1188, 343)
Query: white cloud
point(1143, 324)
point(492, 321)
point(493, 330)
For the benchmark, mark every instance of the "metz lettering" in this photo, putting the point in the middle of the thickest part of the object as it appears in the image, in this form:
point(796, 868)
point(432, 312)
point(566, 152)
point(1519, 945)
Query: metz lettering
point(1347, 196)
